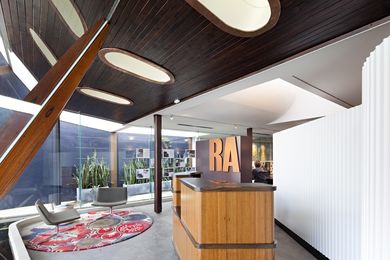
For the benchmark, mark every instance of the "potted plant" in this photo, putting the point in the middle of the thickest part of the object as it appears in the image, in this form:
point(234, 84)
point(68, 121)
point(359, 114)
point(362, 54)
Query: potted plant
point(134, 185)
point(91, 174)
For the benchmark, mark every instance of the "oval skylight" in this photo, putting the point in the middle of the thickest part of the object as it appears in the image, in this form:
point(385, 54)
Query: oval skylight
point(42, 46)
point(105, 96)
point(242, 18)
point(71, 15)
point(135, 65)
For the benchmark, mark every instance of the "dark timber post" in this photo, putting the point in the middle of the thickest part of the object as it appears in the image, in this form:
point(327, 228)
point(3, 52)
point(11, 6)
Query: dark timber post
point(157, 165)
point(246, 156)
point(249, 133)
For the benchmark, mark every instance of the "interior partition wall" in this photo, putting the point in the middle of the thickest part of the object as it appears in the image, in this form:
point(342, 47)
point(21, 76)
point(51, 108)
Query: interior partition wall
point(317, 169)
point(332, 174)
point(376, 166)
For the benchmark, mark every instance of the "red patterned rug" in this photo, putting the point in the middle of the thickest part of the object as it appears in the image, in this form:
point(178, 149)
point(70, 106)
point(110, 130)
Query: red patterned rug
point(92, 230)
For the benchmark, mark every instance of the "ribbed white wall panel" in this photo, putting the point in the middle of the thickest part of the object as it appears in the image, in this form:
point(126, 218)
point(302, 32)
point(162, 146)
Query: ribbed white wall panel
point(376, 158)
point(318, 173)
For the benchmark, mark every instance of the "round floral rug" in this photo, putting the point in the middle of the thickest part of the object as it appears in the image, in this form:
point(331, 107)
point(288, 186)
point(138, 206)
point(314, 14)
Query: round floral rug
point(92, 230)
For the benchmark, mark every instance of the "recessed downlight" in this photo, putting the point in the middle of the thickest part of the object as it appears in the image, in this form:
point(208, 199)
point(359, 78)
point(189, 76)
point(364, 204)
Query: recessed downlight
point(135, 65)
point(42, 46)
point(244, 18)
point(105, 96)
point(71, 15)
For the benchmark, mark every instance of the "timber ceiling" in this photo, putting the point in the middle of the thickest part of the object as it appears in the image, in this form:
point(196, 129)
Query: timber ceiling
point(175, 36)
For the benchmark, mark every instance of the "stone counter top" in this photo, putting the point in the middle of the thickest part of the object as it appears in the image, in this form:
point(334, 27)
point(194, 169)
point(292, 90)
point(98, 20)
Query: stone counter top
point(187, 174)
point(202, 185)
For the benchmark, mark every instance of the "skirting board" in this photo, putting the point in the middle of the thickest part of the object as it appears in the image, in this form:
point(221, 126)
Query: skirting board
point(317, 254)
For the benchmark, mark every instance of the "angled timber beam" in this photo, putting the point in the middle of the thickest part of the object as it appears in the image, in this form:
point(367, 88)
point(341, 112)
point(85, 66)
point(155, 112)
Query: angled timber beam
point(11, 128)
point(65, 76)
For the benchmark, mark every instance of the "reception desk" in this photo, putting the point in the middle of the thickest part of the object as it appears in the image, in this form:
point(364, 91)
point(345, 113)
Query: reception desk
point(214, 220)
point(176, 187)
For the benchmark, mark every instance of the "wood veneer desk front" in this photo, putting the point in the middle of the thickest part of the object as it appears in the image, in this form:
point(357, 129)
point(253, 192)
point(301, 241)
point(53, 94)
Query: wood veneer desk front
point(176, 190)
point(224, 220)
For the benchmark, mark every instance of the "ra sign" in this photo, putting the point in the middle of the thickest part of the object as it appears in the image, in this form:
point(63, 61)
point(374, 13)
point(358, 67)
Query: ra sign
point(223, 158)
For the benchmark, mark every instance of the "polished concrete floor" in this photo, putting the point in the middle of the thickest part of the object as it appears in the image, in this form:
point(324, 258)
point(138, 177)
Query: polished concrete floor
point(156, 244)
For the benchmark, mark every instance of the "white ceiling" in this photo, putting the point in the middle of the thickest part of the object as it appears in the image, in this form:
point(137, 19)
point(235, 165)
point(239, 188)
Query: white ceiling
point(332, 72)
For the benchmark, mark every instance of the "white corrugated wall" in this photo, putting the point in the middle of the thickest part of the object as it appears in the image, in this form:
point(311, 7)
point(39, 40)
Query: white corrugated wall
point(376, 163)
point(317, 171)
point(333, 174)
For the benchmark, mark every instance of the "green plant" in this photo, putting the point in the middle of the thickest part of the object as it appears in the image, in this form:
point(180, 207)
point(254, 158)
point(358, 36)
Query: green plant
point(179, 169)
point(130, 171)
point(92, 173)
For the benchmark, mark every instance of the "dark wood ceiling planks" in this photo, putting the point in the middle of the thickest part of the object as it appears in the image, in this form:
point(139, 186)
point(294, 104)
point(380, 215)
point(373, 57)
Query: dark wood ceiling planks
point(173, 35)
point(20, 15)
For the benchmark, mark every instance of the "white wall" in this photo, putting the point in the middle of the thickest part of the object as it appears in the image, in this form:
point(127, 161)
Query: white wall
point(376, 164)
point(317, 171)
point(333, 174)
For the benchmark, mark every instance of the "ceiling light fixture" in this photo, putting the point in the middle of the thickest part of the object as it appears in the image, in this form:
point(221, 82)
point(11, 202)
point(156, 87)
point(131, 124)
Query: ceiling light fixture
point(136, 66)
point(165, 132)
point(171, 117)
point(176, 101)
point(105, 96)
point(243, 18)
point(195, 126)
point(70, 13)
point(42, 46)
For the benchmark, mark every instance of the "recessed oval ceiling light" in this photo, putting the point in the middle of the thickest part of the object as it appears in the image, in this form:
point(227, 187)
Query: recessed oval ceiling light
point(243, 18)
point(42, 46)
point(105, 96)
point(71, 15)
point(135, 65)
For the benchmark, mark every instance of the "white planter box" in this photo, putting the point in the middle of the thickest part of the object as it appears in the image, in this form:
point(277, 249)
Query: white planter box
point(142, 188)
point(166, 185)
point(87, 195)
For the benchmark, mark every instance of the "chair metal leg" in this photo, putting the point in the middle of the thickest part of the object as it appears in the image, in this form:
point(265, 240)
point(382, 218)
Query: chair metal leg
point(110, 210)
point(57, 229)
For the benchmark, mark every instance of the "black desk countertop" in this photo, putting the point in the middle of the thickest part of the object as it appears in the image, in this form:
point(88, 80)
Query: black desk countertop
point(201, 184)
point(187, 174)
